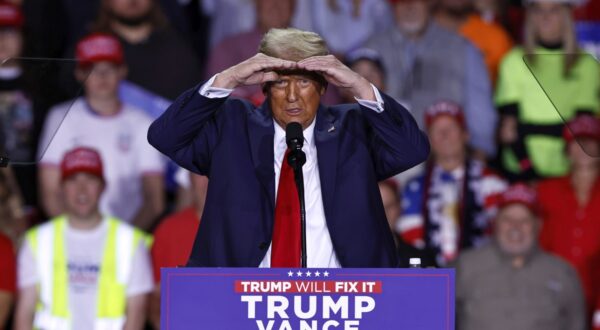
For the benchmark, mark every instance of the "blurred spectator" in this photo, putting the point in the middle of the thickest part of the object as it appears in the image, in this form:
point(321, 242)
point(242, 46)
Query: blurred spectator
point(508, 14)
point(588, 34)
point(158, 58)
point(232, 17)
point(490, 10)
point(531, 125)
point(12, 217)
point(83, 269)
point(303, 18)
point(235, 49)
point(152, 104)
point(174, 238)
point(511, 283)
point(134, 170)
point(17, 139)
point(228, 18)
point(8, 279)
point(571, 206)
point(390, 196)
point(54, 25)
point(367, 63)
point(446, 209)
point(587, 10)
point(587, 18)
point(346, 25)
point(490, 37)
point(427, 63)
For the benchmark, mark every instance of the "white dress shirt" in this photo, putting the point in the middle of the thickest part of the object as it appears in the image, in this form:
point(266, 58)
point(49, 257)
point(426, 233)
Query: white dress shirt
point(319, 248)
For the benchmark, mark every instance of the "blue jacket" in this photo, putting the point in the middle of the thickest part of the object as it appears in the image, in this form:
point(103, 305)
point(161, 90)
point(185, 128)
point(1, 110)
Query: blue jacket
point(231, 141)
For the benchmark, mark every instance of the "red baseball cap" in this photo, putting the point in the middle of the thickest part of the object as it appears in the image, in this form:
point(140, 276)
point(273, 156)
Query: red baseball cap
point(519, 193)
point(98, 47)
point(10, 15)
point(582, 126)
point(444, 108)
point(79, 160)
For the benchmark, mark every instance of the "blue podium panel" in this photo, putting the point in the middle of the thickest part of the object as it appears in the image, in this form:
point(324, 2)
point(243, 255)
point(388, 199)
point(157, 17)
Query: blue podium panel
point(307, 299)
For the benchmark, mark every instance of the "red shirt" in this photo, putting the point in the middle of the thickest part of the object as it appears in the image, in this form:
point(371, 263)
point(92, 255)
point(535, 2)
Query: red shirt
point(173, 240)
point(8, 265)
point(572, 231)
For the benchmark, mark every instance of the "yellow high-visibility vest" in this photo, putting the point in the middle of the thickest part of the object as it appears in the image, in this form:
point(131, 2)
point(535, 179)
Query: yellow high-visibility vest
point(546, 97)
point(47, 243)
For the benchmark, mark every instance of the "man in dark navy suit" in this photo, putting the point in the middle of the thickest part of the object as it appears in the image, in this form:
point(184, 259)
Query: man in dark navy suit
point(251, 215)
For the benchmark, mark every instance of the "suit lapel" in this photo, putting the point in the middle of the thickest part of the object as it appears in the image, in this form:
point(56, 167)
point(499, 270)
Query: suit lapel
point(261, 134)
point(326, 141)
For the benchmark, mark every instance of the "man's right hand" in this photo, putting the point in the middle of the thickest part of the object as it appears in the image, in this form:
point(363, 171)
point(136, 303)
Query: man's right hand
point(256, 70)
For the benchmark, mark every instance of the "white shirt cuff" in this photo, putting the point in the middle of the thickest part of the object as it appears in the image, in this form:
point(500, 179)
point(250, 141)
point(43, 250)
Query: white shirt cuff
point(376, 106)
point(207, 90)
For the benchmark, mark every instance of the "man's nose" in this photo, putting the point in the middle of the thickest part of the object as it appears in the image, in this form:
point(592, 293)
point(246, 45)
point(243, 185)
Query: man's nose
point(291, 92)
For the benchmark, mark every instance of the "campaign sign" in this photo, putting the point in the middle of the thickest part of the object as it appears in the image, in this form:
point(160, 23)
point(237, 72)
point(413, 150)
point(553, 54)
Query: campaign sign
point(307, 299)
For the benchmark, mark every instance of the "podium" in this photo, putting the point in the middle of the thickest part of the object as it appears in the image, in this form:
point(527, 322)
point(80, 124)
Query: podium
point(307, 299)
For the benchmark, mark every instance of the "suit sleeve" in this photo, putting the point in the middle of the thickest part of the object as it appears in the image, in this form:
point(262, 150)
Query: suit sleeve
point(187, 131)
point(396, 143)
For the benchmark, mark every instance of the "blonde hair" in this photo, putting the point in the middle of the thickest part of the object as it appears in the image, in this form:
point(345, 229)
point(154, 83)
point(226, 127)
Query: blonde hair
point(292, 44)
point(569, 39)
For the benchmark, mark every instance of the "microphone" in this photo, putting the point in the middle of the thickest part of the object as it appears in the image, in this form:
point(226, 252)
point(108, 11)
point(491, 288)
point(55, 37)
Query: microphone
point(295, 140)
point(296, 158)
point(293, 136)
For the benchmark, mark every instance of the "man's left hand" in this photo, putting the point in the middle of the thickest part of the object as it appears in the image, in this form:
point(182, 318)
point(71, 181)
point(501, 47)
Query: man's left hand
point(338, 74)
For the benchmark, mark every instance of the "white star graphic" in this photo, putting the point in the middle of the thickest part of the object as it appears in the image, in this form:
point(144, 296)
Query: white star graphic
point(290, 274)
point(326, 273)
point(299, 273)
point(317, 274)
point(308, 273)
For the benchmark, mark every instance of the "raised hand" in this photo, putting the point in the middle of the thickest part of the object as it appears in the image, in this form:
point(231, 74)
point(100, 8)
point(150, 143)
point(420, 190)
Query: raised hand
point(258, 69)
point(338, 74)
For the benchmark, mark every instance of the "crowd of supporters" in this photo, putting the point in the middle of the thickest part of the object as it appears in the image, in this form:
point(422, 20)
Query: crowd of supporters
point(507, 91)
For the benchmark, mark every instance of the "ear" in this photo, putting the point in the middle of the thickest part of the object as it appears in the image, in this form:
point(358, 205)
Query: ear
point(322, 89)
point(81, 74)
point(266, 88)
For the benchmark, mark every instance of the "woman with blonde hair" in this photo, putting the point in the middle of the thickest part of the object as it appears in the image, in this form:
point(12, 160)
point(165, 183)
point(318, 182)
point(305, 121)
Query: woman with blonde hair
point(543, 83)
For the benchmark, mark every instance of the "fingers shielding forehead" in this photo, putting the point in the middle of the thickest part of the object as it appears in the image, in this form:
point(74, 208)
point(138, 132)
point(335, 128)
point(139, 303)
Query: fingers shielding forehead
point(326, 59)
point(318, 63)
point(267, 62)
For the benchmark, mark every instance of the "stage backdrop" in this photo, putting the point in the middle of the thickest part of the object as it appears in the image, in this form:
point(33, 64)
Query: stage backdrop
point(307, 299)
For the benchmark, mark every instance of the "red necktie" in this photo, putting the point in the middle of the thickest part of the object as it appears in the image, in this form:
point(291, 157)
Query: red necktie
point(285, 251)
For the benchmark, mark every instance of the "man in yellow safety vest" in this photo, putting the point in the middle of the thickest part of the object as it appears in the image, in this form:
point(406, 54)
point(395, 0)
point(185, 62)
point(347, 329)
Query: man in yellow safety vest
point(82, 269)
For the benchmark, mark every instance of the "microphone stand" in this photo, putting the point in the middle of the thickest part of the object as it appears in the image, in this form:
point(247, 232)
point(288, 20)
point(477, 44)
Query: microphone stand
point(296, 159)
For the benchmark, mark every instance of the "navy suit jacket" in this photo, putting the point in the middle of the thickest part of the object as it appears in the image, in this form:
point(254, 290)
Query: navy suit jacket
point(231, 141)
